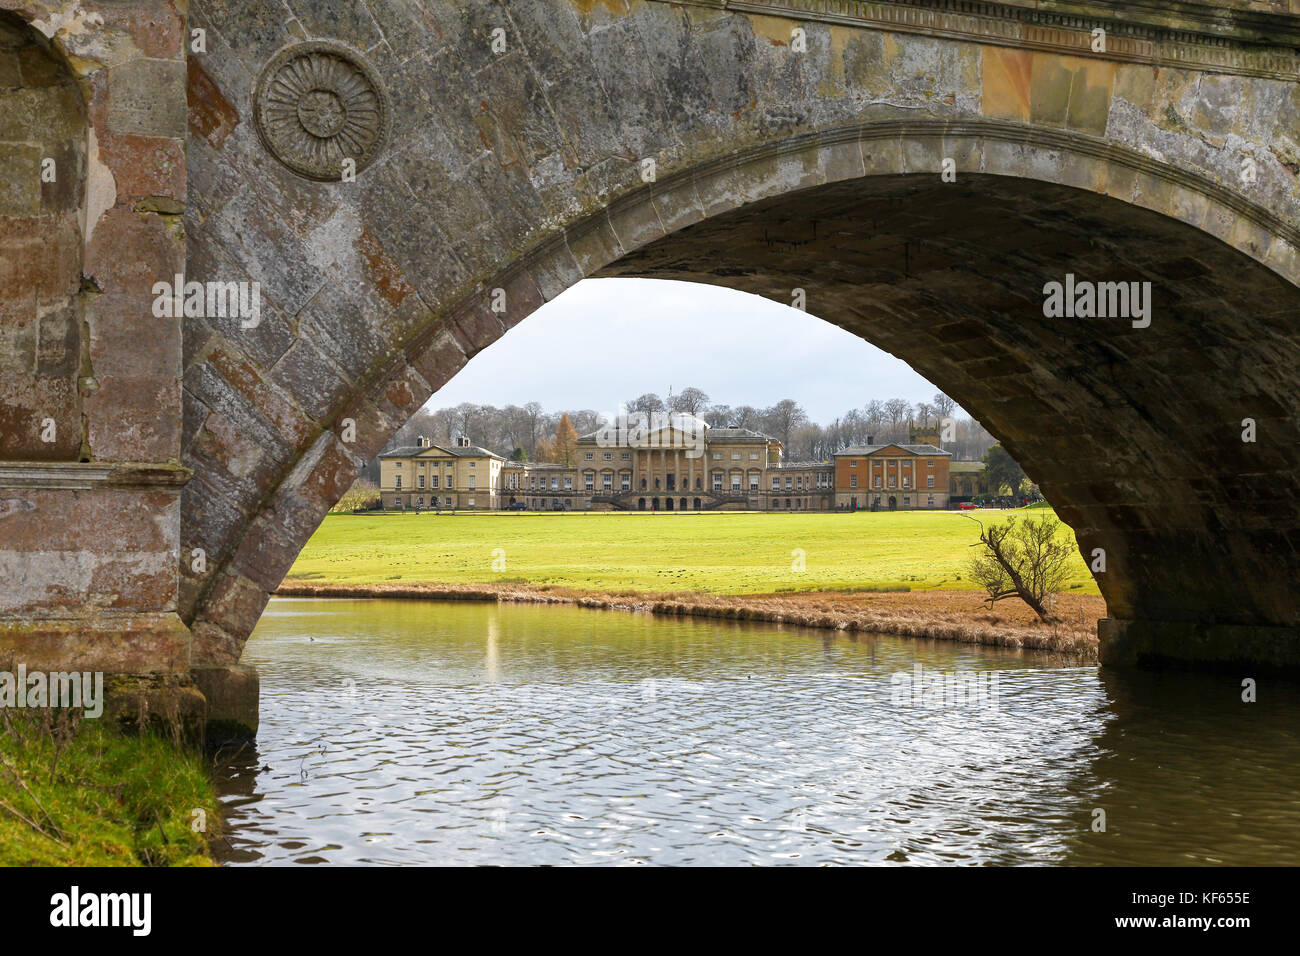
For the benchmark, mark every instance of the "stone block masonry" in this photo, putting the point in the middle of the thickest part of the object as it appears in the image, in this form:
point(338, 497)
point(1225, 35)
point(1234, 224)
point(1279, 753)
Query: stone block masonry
point(158, 475)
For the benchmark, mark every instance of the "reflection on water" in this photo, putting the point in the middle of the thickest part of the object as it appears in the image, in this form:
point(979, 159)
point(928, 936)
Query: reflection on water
point(431, 733)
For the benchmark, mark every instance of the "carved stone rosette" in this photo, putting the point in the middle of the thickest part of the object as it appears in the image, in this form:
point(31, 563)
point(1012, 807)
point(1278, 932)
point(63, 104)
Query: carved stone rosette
point(318, 105)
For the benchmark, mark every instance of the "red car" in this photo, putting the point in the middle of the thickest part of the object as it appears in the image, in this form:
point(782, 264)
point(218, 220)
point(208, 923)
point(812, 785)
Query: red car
point(967, 506)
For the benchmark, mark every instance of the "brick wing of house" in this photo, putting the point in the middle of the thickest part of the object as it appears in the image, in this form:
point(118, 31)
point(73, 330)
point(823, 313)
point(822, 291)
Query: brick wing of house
point(892, 476)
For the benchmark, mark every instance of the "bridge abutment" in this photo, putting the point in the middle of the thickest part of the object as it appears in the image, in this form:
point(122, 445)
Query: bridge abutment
point(1192, 645)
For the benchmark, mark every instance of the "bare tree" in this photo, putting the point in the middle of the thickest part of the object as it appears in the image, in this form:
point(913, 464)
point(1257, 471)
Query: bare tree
point(1022, 558)
point(783, 418)
point(647, 404)
point(807, 443)
point(745, 416)
point(873, 417)
point(692, 401)
point(896, 412)
point(718, 416)
point(943, 405)
point(533, 414)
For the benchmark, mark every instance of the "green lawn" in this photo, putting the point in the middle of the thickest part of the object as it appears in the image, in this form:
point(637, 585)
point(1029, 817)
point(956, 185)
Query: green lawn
point(722, 553)
point(88, 796)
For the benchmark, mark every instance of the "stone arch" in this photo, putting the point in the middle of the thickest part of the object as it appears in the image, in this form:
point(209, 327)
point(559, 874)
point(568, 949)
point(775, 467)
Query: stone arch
point(802, 144)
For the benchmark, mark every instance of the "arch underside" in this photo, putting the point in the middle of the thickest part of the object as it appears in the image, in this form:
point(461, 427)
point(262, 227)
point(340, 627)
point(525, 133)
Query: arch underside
point(1134, 434)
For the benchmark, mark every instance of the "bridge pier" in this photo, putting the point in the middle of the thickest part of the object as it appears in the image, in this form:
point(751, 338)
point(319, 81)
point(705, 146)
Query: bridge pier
point(1128, 644)
point(89, 556)
point(232, 697)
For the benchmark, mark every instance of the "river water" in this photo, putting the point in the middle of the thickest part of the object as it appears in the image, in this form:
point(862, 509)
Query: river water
point(405, 732)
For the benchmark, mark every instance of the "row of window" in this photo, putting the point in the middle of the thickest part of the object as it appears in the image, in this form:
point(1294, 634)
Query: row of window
point(434, 464)
point(798, 483)
point(513, 483)
point(418, 502)
point(929, 463)
point(433, 482)
point(717, 455)
point(892, 483)
point(434, 502)
point(625, 482)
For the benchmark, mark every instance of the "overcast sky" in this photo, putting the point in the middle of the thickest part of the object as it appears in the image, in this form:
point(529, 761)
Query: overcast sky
point(609, 340)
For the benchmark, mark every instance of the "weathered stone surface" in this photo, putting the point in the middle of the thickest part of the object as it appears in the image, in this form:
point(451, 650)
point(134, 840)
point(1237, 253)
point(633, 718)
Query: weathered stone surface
point(231, 695)
point(97, 92)
point(147, 96)
point(66, 550)
point(1239, 648)
point(106, 642)
point(650, 138)
point(42, 168)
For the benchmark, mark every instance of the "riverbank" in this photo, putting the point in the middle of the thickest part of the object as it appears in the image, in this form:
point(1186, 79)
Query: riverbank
point(76, 792)
point(936, 614)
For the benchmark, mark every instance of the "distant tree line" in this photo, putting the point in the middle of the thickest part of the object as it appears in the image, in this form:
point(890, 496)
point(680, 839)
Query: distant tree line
point(530, 433)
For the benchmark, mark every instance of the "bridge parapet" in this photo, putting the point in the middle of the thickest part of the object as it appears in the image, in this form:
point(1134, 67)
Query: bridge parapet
point(1232, 36)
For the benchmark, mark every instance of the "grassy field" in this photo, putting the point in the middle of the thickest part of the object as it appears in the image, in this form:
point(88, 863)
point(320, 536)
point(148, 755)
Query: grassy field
point(709, 552)
point(83, 795)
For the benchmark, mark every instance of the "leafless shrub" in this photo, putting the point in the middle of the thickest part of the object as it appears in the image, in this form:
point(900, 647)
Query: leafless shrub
point(1023, 558)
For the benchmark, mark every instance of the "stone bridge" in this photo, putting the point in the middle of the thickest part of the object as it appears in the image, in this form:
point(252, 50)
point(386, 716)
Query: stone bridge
point(405, 180)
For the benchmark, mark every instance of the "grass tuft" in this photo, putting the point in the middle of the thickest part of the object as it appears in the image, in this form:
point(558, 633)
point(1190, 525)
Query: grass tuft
point(75, 792)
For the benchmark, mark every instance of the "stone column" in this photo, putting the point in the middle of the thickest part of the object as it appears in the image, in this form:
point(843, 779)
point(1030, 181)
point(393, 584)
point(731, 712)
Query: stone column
point(90, 510)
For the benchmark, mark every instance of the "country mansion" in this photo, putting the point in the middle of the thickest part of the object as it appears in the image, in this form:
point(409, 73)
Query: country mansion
point(683, 466)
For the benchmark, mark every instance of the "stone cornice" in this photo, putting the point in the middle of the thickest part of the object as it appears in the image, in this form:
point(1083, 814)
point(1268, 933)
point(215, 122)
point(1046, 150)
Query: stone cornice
point(82, 476)
point(1193, 36)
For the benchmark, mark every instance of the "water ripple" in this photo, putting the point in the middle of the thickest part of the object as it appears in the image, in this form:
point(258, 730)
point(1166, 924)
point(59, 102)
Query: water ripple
point(408, 733)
